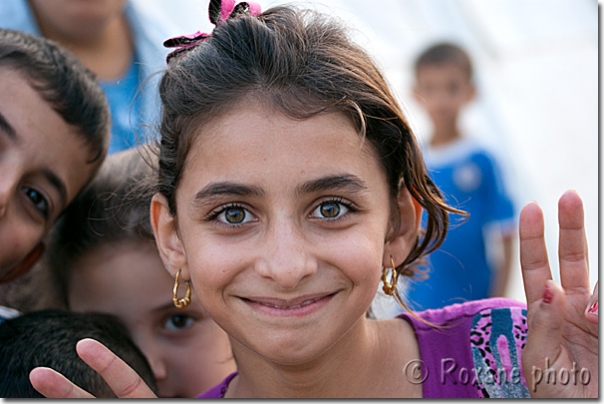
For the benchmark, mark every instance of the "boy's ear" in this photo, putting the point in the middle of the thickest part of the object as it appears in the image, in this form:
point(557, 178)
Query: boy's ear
point(168, 242)
point(25, 265)
point(400, 243)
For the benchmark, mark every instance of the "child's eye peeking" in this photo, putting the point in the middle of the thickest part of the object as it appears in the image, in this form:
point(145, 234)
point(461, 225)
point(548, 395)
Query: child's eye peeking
point(178, 322)
point(38, 200)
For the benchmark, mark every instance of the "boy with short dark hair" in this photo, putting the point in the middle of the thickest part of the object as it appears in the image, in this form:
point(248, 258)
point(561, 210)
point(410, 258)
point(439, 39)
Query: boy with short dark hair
point(48, 338)
point(470, 179)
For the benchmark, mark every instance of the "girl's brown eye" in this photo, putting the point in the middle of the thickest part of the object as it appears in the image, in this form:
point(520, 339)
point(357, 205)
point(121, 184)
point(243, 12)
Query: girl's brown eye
point(234, 215)
point(330, 209)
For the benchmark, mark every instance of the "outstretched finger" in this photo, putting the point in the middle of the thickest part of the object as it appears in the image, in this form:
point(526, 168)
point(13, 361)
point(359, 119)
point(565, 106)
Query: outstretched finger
point(52, 384)
point(120, 377)
point(572, 245)
point(533, 253)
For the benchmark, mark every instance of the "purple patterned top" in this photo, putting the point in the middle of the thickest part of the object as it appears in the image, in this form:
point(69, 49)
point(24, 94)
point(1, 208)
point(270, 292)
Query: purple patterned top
point(476, 351)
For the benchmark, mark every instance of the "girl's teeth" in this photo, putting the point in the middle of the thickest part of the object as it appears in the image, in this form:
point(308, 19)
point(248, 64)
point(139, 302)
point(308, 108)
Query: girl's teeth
point(291, 307)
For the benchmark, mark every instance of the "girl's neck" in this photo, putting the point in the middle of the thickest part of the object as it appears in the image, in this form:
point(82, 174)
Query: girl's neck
point(107, 48)
point(367, 362)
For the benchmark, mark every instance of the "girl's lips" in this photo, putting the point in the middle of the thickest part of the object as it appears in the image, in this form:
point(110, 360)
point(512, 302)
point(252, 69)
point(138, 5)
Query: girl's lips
point(300, 306)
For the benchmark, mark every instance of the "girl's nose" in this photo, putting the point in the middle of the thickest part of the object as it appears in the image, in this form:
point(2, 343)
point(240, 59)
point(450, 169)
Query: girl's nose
point(286, 259)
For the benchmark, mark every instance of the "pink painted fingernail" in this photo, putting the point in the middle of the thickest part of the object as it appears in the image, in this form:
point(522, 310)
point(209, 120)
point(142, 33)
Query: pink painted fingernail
point(547, 294)
point(593, 309)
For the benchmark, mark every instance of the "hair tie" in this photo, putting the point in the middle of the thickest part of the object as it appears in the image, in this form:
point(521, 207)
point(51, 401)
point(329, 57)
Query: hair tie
point(219, 12)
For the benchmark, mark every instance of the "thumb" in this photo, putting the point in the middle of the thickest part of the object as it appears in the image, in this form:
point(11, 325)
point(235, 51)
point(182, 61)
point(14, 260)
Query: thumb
point(545, 321)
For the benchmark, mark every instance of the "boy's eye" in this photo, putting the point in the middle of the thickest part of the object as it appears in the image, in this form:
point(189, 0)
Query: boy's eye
point(38, 200)
point(330, 210)
point(178, 322)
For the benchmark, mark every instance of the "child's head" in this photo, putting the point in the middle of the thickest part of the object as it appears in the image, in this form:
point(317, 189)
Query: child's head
point(54, 132)
point(300, 65)
point(48, 338)
point(104, 254)
point(288, 176)
point(443, 75)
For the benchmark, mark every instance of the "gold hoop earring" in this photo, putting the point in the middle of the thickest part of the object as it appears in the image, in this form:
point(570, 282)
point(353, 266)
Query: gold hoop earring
point(185, 301)
point(389, 287)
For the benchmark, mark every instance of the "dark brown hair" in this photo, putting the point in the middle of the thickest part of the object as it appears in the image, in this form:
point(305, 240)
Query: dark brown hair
point(300, 63)
point(62, 81)
point(48, 338)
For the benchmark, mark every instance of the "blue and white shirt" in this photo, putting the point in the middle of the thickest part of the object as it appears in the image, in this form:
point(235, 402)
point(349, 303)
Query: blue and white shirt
point(471, 180)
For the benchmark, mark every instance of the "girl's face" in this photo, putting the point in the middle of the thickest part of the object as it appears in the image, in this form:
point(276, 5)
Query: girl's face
point(187, 351)
point(42, 167)
point(282, 228)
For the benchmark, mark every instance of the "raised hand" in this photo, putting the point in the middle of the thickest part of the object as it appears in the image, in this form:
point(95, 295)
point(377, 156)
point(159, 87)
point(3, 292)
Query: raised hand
point(120, 377)
point(561, 355)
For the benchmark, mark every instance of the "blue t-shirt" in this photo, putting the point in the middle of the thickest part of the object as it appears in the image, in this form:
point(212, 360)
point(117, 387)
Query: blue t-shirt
point(470, 180)
point(124, 105)
point(133, 99)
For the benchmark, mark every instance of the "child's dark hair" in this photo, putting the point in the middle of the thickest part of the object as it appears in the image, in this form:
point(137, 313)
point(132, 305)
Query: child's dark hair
point(113, 209)
point(62, 81)
point(442, 54)
point(300, 63)
point(48, 338)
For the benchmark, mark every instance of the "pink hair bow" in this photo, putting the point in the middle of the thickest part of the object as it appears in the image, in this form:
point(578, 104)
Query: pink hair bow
point(219, 11)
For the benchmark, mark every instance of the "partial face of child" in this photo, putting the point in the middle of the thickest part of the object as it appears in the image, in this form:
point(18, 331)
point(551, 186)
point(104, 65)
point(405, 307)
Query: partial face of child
point(281, 227)
point(69, 18)
point(42, 167)
point(187, 351)
point(443, 89)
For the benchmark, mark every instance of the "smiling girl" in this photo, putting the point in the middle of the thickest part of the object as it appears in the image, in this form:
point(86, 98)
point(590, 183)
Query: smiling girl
point(289, 185)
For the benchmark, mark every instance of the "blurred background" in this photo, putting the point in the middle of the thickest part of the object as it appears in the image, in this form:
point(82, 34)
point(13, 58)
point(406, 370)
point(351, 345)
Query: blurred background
point(536, 64)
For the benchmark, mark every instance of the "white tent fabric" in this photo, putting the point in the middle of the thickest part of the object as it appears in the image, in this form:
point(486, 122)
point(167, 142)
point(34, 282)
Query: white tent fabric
point(537, 73)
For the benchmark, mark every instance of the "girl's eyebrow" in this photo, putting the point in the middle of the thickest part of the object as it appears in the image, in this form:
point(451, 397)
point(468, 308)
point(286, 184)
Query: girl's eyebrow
point(347, 182)
point(227, 188)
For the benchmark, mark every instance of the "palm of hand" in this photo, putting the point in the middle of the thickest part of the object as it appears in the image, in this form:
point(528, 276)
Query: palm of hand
point(561, 355)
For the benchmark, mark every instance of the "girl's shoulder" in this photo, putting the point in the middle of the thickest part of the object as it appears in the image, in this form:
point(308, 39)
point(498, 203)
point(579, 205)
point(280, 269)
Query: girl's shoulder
point(473, 349)
point(453, 313)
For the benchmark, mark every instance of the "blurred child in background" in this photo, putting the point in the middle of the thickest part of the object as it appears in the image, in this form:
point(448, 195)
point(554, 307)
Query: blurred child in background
point(49, 338)
point(470, 179)
point(103, 254)
point(116, 39)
